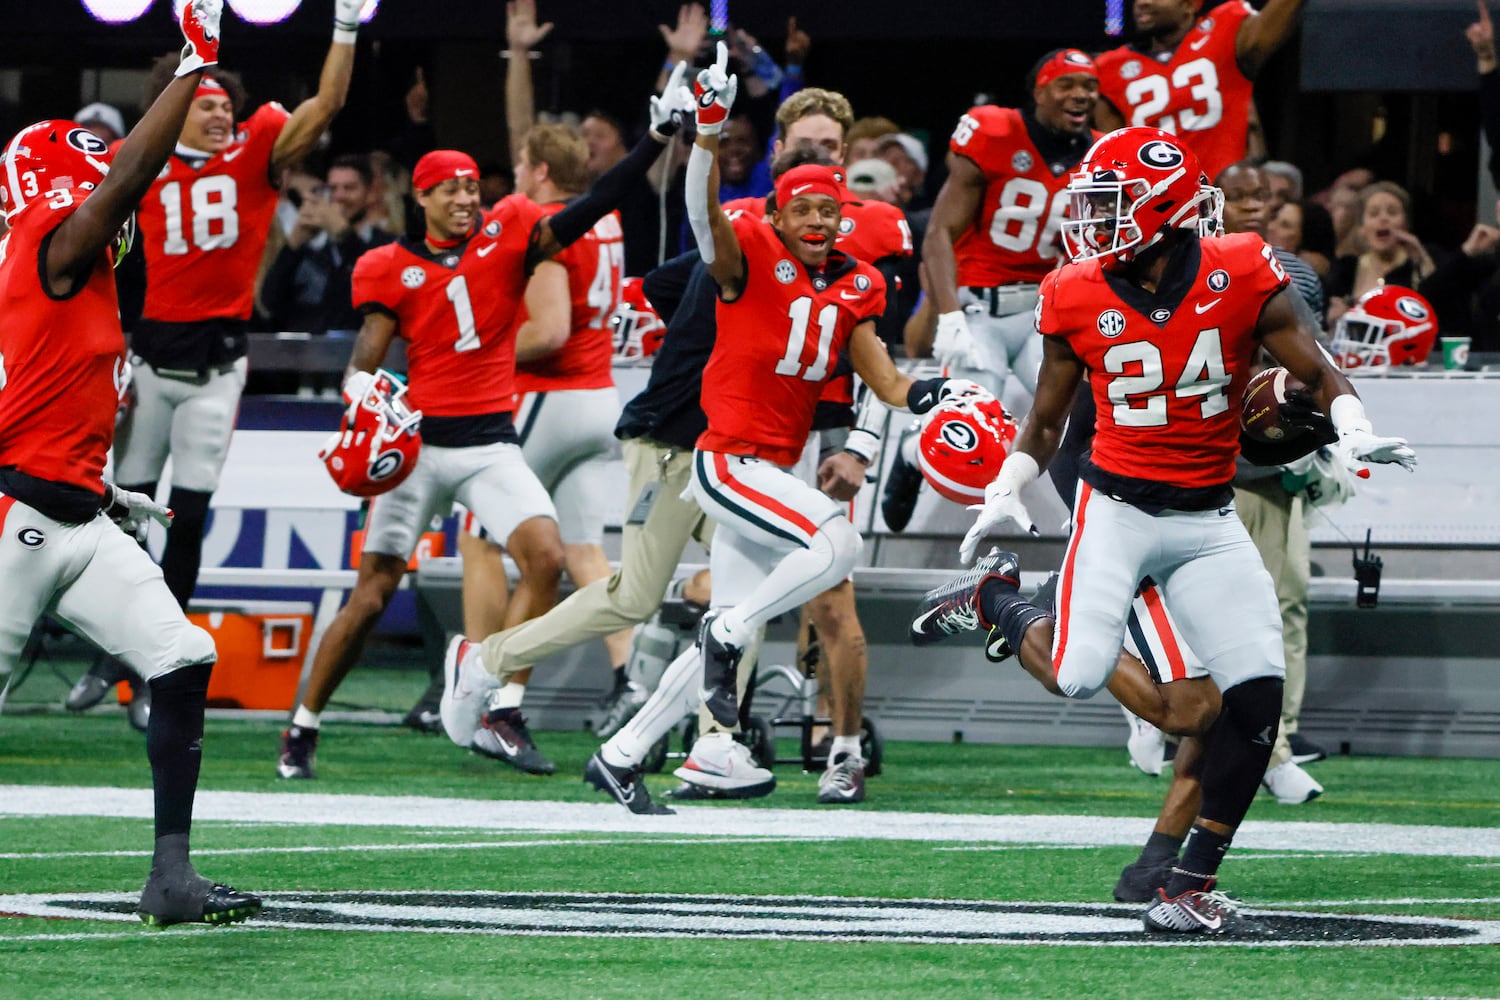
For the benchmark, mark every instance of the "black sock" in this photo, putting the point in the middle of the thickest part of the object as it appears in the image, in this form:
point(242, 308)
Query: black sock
point(621, 681)
point(174, 745)
point(1002, 607)
point(1160, 847)
point(184, 552)
point(1201, 857)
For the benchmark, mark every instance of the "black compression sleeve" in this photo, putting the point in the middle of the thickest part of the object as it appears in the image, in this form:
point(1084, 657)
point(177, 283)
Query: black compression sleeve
point(598, 201)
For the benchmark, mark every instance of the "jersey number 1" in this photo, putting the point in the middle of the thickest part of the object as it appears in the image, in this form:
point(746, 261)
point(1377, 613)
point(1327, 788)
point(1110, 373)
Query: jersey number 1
point(796, 341)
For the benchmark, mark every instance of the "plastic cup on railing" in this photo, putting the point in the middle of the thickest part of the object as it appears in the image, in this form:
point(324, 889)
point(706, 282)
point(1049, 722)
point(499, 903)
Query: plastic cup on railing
point(1455, 353)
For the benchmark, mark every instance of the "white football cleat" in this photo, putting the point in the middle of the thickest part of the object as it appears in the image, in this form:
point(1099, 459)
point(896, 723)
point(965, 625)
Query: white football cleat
point(1291, 785)
point(1146, 743)
point(725, 769)
point(465, 684)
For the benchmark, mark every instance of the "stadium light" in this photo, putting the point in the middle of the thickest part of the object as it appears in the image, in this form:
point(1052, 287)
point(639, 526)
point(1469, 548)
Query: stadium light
point(250, 11)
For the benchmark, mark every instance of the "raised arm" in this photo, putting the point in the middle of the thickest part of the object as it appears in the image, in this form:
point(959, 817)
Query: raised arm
point(76, 244)
point(717, 244)
point(1262, 34)
point(311, 118)
point(522, 34)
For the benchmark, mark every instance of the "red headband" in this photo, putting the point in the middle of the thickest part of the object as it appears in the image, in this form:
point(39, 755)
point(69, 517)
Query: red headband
point(810, 178)
point(442, 165)
point(1065, 62)
point(209, 87)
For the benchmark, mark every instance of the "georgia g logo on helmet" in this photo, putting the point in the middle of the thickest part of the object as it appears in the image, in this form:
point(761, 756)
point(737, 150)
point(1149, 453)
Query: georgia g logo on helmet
point(1411, 309)
point(386, 465)
point(1160, 154)
point(959, 435)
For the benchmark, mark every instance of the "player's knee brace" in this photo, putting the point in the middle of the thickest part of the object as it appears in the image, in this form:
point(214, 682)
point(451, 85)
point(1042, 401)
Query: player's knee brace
point(1238, 747)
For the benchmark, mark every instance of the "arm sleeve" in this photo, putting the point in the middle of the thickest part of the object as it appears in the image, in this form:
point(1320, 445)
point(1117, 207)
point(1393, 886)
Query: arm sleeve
point(605, 195)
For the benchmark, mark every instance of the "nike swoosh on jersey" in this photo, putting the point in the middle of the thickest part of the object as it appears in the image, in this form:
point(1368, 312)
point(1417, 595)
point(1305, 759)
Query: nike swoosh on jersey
point(482, 251)
point(233, 153)
point(845, 295)
point(1199, 43)
point(1200, 308)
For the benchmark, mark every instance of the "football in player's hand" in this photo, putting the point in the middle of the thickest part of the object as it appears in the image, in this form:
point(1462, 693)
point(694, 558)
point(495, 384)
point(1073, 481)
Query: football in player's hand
point(1260, 412)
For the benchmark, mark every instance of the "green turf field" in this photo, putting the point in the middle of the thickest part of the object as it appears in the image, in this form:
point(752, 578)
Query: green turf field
point(410, 868)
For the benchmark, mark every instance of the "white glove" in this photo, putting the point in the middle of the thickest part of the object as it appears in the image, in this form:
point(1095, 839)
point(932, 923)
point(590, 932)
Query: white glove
point(954, 346)
point(346, 20)
point(714, 90)
point(1357, 443)
point(357, 386)
point(962, 388)
point(1002, 503)
point(675, 102)
point(199, 22)
point(134, 512)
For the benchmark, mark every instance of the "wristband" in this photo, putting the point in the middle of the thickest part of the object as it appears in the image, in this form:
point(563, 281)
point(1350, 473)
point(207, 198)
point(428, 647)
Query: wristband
point(1018, 470)
point(923, 394)
point(863, 445)
point(1347, 414)
point(344, 36)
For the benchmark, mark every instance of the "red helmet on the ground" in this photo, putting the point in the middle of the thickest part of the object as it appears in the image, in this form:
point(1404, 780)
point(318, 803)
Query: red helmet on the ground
point(638, 328)
point(962, 445)
point(1133, 186)
point(378, 440)
point(57, 161)
point(1389, 325)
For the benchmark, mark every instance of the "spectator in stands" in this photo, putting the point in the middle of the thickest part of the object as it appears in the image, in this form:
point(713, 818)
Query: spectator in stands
point(908, 155)
point(1247, 209)
point(1305, 228)
point(865, 136)
point(1341, 198)
point(1465, 290)
point(1285, 182)
point(307, 287)
point(1481, 36)
point(1392, 255)
point(104, 120)
point(877, 179)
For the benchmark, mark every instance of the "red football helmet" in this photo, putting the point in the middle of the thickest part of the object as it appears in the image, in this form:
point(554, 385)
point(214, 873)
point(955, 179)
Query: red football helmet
point(963, 442)
point(638, 329)
point(1132, 186)
point(377, 443)
point(57, 161)
point(1389, 325)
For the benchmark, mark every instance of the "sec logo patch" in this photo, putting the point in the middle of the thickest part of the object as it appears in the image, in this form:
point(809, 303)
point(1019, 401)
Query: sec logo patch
point(492, 228)
point(1021, 161)
point(786, 271)
point(1111, 323)
point(413, 277)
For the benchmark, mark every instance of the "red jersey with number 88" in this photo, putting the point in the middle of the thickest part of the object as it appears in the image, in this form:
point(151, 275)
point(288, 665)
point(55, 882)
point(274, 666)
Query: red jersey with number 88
point(458, 310)
point(1164, 368)
point(204, 231)
point(777, 344)
point(1198, 93)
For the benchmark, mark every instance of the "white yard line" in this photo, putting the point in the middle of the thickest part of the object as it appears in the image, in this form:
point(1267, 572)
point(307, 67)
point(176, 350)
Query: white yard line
point(494, 816)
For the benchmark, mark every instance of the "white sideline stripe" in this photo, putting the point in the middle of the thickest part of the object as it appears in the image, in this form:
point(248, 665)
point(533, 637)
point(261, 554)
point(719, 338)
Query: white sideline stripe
point(493, 816)
point(477, 845)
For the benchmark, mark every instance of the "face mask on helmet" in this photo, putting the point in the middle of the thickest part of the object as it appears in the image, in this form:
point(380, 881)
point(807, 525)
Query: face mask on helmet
point(378, 440)
point(51, 162)
point(963, 443)
point(1132, 187)
point(1389, 325)
point(638, 330)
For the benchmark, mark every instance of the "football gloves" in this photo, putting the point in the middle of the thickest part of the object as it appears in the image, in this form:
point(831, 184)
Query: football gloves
point(1002, 503)
point(675, 102)
point(954, 346)
point(200, 31)
point(357, 386)
point(346, 20)
point(134, 512)
point(714, 90)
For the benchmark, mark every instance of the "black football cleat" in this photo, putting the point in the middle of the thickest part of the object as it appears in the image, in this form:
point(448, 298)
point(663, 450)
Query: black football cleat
point(186, 897)
point(1199, 911)
point(625, 785)
point(1139, 880)
point(902, 486)
point(299, 750)
point(954, 607)
point(503, 735)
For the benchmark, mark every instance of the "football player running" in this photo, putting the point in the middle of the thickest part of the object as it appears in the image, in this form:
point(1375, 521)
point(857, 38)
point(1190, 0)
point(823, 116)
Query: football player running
point(62, 352)
point(455, 296)
point(203, 226)
point(1163, 325)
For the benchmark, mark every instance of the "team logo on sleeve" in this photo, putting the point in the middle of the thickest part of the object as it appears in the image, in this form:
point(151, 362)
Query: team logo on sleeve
point(1218, 280)
point(846, 226)
point(1411, 308)
point(786, 271)
point(492, 228)
point(1021, 161)
point(861, 283)
point(413, 277)
point(1111, 322)
point(1161, 154)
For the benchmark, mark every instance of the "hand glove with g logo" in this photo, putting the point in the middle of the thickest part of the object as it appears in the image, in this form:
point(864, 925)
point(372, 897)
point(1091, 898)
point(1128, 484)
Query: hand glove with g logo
point(200, 31)
point(715, 89)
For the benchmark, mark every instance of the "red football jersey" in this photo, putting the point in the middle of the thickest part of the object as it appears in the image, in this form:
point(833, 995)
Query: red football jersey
point(1197, 92)
point(1163, 380)
point(62, 360)
point(777, 344)
point(869, 231)
point(458, 310)
point(596, 270)
point(1016, 236)
point(204, 231)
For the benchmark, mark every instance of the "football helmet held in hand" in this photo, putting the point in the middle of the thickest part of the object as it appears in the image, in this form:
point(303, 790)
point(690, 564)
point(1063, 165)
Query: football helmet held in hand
point(377, 443)
point(638, 330)
point(1389, 325)
point(963, 443)
point(1133, 186)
